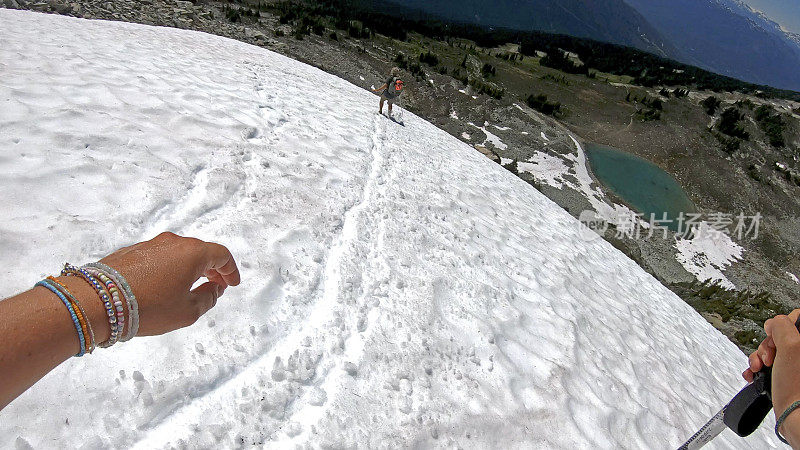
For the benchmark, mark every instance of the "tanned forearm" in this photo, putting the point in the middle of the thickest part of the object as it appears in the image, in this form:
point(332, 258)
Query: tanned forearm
point(155, 296)
point(38, 334)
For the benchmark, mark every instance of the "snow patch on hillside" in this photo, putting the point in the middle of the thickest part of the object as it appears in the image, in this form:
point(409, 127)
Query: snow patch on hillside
point(494, 139)
point(707, 253)
point(545, 168)
point(571, 170)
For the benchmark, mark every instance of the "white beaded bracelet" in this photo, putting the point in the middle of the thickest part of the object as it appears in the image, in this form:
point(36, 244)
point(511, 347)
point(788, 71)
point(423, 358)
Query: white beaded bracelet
point(130, 299)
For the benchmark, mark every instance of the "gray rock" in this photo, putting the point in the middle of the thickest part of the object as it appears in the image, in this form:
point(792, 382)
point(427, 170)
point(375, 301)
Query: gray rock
point(60, 7)
point(254, 34)
point(350, 368)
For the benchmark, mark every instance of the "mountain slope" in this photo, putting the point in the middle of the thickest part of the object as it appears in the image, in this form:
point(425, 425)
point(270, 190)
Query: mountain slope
point(399, 289)
point(606, 20)
point(763, 21)
point(723, 36)
point(719, 37)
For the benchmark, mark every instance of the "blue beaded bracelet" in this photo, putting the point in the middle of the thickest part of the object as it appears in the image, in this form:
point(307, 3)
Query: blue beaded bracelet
point(80, 312)
point(48, 284)
point(782, 419)
point(116, 332)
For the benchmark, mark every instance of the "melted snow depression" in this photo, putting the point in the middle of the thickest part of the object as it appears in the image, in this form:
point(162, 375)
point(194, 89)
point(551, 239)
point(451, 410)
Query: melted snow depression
point(398, 288)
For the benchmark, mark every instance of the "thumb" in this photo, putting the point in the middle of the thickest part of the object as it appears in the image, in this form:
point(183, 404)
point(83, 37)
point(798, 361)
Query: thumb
point(205, 296)
point(782, 330)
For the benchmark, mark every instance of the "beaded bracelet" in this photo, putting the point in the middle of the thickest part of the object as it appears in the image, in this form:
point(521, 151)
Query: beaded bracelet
point(782, 419)
point(88, 331)
point(47, 284)
point(70, 270)
point(127, 292)
point(107, 298)
point(113, 291)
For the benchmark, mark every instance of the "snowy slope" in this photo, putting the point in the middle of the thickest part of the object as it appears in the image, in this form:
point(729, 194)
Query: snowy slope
point(399, 289)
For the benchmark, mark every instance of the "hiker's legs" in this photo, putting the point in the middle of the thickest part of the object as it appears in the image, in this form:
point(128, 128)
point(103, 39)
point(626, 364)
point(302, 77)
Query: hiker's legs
point(390, 107)
point(380, 108)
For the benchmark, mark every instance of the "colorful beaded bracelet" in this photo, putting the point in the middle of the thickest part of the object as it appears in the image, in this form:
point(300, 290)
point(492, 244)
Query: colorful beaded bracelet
point(47, 284)
point(114, 292)
point(88, 331)
point(127, 292)
point(70, 270)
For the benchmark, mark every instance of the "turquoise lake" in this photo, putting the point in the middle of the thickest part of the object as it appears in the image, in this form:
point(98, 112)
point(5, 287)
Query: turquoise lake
point(640, 183)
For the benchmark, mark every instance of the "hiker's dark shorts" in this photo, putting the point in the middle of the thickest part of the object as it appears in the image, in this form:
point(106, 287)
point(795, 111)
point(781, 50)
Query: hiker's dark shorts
point(388, 97)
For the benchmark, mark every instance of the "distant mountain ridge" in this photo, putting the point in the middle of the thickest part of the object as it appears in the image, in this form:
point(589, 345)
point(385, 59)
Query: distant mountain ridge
point(794, 37)
point(727, 37)
point(723, 36)
point(604, 20)
point(761, 19)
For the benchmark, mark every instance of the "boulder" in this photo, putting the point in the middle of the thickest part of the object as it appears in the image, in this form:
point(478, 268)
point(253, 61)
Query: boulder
point(254, 34)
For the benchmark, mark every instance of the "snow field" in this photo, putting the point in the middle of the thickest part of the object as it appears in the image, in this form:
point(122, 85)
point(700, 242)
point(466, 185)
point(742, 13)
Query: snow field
point(399, 289)
point(572, 170)
point(707, 253)
point(496, 141)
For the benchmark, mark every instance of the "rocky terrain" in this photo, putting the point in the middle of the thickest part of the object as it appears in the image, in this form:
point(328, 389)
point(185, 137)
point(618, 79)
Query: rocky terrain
point(605, 109)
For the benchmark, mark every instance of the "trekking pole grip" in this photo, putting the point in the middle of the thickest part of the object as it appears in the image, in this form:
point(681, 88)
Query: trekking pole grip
point(751, 405)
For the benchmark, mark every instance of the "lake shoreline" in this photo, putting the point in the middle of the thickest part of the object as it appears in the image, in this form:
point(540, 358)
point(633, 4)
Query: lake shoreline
point(639, 183)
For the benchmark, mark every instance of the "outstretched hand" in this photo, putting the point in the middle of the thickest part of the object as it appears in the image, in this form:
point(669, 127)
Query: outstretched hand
point(38, 334)
point(781, 351)
point(161, 273)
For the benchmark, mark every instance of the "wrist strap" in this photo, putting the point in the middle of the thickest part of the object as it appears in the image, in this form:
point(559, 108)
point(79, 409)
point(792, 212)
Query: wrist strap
point(783, 417)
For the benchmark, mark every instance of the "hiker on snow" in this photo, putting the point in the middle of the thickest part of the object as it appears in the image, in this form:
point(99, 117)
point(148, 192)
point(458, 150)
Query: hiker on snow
point(391, 89)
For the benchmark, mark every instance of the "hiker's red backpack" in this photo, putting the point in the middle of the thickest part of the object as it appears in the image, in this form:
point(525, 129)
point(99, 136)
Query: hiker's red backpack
point(398, 86)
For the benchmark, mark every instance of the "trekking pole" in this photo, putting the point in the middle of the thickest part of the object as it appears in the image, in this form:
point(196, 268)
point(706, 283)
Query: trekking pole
point(743, 414)
point(402, 115)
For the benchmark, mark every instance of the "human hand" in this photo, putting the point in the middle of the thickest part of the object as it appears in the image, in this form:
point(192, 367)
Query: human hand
point(781, 351)
point(161, 272)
